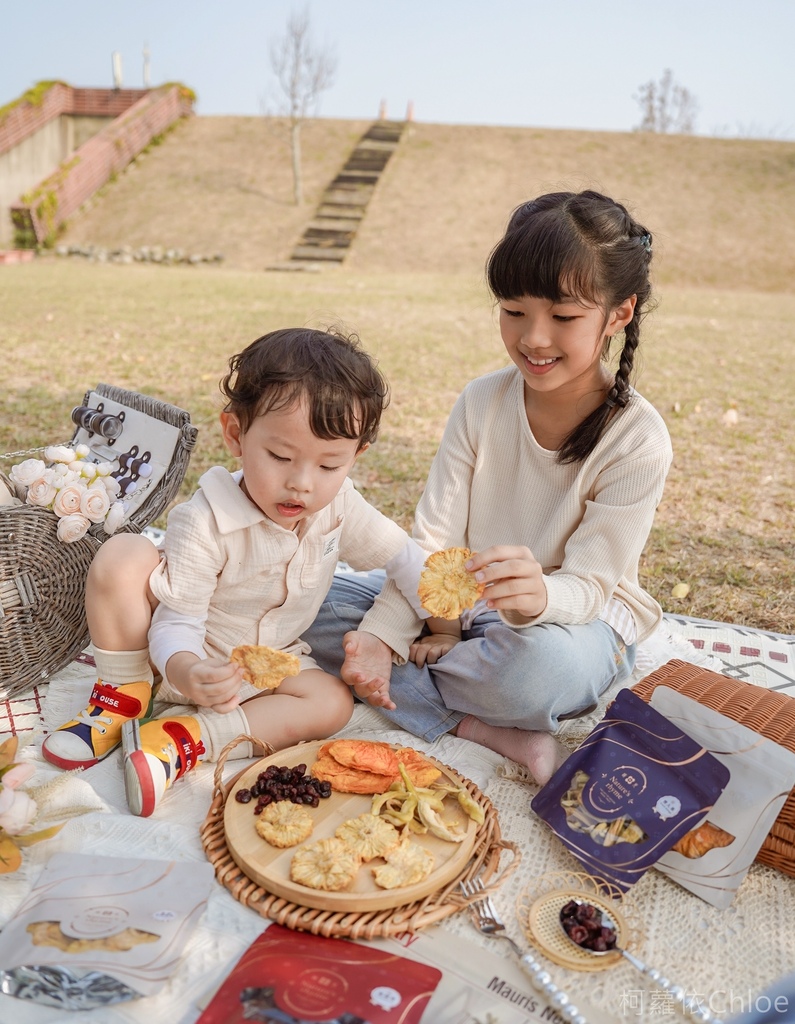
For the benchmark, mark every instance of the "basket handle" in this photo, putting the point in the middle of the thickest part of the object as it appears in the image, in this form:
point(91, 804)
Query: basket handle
point(218, 786)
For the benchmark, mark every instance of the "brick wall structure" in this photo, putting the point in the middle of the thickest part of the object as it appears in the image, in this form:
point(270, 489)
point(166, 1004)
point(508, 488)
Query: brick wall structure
point(139, 115)
point(23, 120)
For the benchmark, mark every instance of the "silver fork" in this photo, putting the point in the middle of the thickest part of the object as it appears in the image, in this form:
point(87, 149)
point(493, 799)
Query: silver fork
point(488, 921)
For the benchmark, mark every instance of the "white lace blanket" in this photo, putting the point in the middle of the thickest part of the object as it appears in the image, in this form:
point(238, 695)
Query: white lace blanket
point(740, 949)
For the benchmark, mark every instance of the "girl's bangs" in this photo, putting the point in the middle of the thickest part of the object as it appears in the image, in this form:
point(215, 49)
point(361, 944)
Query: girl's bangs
point(543, 260)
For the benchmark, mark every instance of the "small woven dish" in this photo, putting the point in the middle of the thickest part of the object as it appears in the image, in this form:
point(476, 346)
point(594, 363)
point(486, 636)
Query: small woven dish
point(538, 911)
point(484, 864)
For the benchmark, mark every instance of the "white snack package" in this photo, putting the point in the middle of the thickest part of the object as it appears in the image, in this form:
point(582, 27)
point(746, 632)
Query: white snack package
point(100, 930)
point(762, 775)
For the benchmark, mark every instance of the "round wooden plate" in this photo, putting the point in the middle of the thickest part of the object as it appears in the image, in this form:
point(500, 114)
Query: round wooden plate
point(270, 867)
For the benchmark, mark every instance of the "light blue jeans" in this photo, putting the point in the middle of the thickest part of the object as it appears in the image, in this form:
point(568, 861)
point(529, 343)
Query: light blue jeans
point(530, 678)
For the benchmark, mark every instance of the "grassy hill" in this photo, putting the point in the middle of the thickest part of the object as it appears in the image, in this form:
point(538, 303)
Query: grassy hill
point(716, 356)
point(722, 210)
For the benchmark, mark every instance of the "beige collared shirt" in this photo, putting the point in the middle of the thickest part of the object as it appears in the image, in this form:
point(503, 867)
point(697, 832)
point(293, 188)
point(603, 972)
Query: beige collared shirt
point(251, 581)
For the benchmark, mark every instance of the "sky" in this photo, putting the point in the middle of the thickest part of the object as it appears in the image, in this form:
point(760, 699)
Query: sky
point(541, 63)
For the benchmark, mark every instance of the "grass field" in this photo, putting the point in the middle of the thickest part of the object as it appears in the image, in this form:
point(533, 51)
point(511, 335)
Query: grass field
point(727, 520)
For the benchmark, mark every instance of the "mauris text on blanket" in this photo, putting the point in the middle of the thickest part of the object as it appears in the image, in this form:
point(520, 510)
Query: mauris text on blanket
point(635, 786)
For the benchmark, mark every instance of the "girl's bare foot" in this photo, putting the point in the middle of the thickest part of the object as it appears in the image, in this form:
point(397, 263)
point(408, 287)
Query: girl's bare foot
point(539, 752)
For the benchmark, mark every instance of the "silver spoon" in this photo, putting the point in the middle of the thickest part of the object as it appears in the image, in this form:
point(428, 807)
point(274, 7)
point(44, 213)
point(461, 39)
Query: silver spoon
point(689, 1004)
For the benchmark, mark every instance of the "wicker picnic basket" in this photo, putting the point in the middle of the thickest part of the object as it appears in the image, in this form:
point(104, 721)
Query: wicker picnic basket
point(42, 580)
point(767, 712)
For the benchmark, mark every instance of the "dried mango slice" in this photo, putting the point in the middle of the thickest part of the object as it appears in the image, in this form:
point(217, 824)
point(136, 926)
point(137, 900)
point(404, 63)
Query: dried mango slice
point(349, 780)
point(328, 864)
point(407, 864)
point(365, 755)
point(421, 771)
point(368, 835)
point(284, 824)
point(265, 667)
point(446, 588)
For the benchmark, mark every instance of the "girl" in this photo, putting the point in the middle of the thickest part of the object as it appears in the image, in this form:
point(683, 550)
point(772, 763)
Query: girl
point(550, 471)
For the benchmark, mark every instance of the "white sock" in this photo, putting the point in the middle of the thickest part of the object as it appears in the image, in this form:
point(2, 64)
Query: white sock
point(218, 730)
point(119, 667)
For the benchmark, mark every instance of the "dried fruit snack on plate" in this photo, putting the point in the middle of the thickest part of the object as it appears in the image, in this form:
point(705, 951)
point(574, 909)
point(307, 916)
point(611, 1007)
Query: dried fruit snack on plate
point(284, 824)
point(368, 835)
point(406, 864)
point(265, 667)
point(327, 864)
point(446, 588)
point(369, 766)
point(364, 755)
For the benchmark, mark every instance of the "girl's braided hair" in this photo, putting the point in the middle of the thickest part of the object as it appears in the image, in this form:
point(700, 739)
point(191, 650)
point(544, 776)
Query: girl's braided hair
point(587, 245)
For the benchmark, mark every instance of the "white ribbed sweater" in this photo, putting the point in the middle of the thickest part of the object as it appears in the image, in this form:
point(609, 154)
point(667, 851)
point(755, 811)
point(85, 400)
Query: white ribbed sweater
point(586, 523)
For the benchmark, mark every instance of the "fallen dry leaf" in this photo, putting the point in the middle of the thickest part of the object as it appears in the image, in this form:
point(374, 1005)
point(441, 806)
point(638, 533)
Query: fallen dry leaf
point(680, 590)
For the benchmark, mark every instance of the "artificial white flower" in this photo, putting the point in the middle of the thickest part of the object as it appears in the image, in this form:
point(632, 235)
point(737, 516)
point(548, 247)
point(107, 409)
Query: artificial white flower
point(88, 470)
point(59, 453)
point(41, 493)
point(72, 527)
point(94, 504)
point(67, 500)
point(82, 450)
point(115, 517)
point(106, 468)
point(60, 469)
point(112, 485)
point(26, 472)
point(71, 476)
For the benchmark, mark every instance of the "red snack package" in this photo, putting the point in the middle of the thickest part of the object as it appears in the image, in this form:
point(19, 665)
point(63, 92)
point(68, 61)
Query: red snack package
point(306, 977)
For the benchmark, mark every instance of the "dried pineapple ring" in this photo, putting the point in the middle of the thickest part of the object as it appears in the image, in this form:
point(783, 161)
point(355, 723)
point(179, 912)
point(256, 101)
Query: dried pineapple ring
point(265, 667)
point(328, 864)
point(368, 835)
point(446, 588)
point(407, 864)
point(284, 824)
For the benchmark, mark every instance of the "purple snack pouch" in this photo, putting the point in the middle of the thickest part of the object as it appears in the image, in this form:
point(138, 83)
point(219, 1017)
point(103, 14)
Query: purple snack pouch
point(630, 791)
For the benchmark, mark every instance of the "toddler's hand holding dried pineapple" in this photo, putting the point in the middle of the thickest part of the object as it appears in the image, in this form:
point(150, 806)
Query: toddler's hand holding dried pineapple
point(265, 667)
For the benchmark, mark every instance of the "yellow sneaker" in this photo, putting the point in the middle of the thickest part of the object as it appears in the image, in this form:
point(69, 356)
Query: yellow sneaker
point(156, 754)
point(96, 731)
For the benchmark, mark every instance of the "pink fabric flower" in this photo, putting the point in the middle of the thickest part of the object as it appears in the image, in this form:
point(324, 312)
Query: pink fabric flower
point(19, 815)
point(94, 504)
point(41, 493)
point(67, 500)
point(17, 774)
point(72, 527)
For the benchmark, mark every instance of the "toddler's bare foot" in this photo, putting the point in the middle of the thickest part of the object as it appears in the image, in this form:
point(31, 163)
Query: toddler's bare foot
point(539, 752)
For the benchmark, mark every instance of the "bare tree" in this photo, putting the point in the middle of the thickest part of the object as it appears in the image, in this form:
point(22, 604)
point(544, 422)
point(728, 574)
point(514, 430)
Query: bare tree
point(666, 106)
point(303, 72)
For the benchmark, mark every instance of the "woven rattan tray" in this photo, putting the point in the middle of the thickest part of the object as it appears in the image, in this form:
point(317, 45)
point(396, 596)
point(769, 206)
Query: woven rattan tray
point(538, 912)
point(767, 712)
point(484, 863)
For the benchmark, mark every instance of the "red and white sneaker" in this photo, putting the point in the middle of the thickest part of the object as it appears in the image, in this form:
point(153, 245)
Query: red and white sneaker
point(156, 754)
point(96, 731)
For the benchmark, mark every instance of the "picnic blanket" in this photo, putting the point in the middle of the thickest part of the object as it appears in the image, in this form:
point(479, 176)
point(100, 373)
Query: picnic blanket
point(738, 951)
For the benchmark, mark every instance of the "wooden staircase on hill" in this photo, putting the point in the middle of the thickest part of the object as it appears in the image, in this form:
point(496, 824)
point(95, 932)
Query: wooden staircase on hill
point(329, 235)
